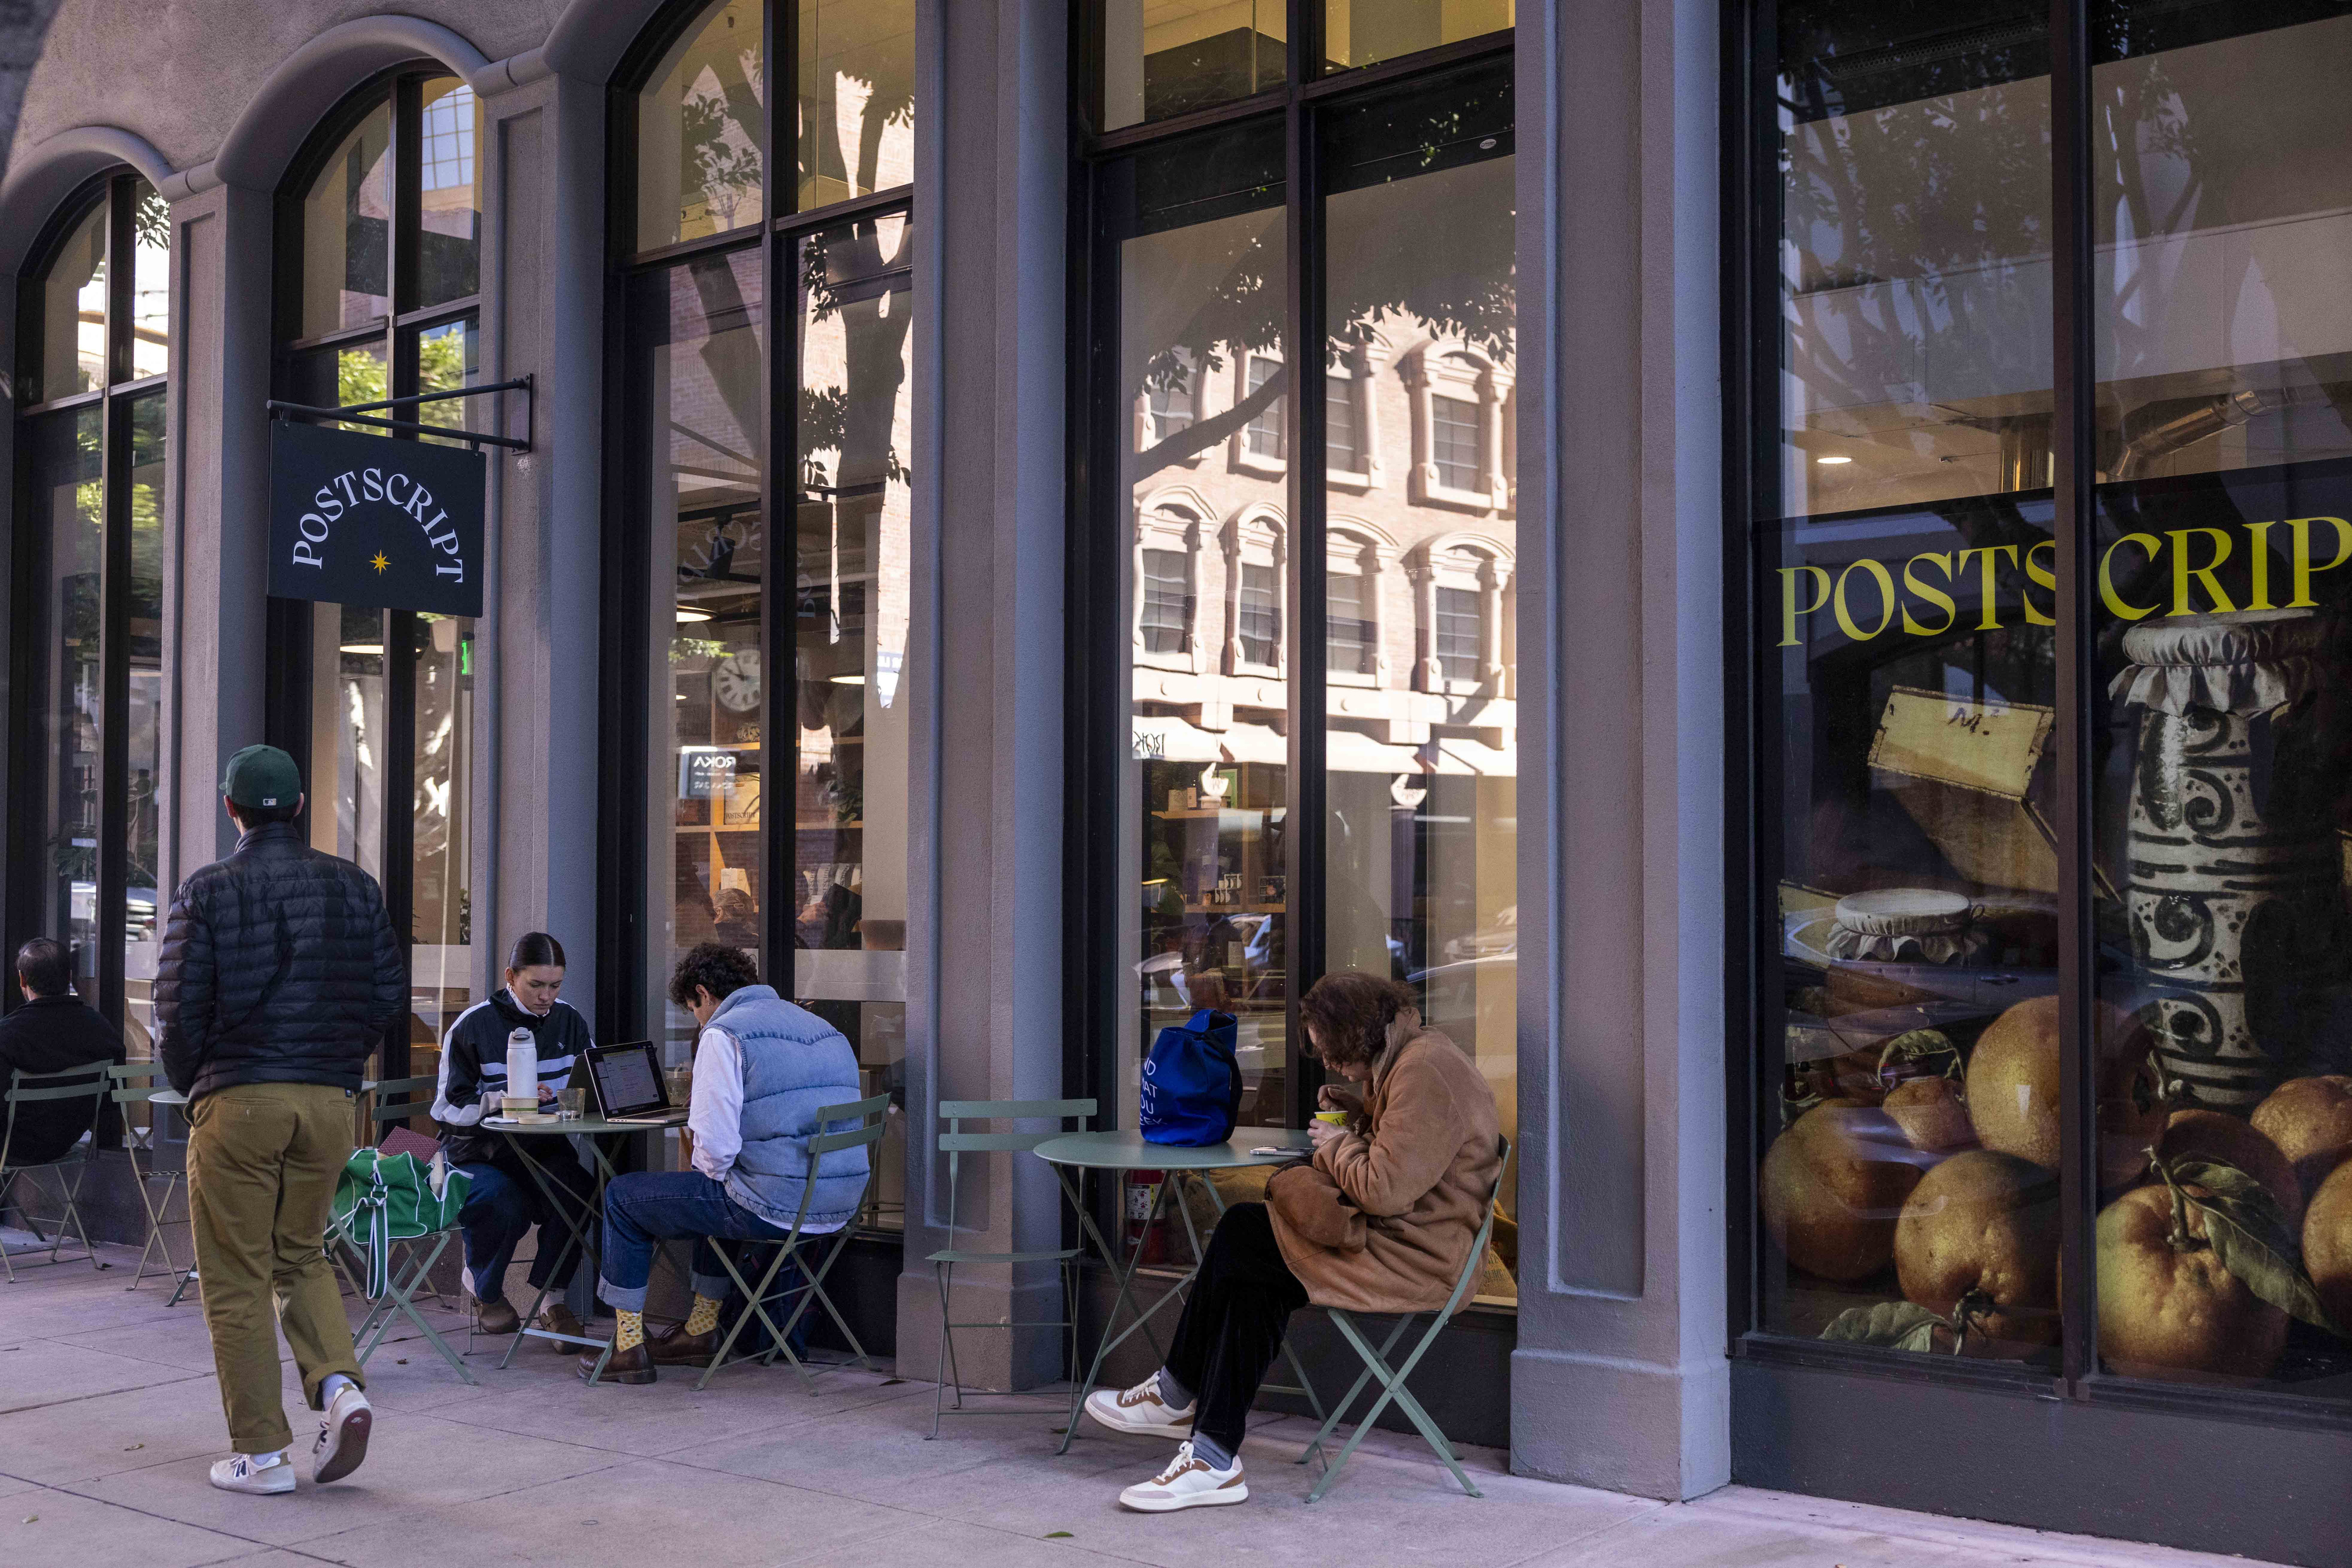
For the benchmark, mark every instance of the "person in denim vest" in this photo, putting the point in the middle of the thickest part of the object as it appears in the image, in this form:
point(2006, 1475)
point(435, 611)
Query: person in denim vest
point(762, 1069)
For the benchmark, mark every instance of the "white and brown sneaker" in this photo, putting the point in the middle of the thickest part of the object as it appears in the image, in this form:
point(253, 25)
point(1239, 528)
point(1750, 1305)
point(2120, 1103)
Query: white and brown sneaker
point(1187, 1482)
point(1140, 1411)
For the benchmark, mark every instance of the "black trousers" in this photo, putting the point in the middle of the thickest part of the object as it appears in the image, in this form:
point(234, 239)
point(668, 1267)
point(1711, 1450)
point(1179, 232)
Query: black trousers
point(1232, 1323)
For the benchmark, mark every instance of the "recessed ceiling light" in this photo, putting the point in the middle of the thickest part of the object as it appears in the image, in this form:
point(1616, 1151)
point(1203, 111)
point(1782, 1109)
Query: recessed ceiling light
point(1832, 461)
point(687, 614)
point(849, 680)
point(375, 648)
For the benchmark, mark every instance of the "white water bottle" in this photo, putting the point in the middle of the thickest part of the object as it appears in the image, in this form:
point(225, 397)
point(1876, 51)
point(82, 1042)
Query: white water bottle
point(522, 1073)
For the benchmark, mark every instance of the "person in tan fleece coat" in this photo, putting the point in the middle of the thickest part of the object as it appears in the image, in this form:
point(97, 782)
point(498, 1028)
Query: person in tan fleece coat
point(1382, 1219)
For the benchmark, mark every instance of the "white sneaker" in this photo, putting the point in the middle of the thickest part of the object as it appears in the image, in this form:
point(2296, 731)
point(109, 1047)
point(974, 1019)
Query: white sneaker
point(246, 1473)
point(1187, 1482)
point(1140, 1410)
point(342, 1435)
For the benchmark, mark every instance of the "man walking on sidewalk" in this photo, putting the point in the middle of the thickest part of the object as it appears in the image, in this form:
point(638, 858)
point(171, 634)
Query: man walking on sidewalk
point(279, 971)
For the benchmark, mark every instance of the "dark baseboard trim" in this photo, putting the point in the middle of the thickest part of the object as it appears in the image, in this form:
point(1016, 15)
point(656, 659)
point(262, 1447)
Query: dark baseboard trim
point(2122, 1471)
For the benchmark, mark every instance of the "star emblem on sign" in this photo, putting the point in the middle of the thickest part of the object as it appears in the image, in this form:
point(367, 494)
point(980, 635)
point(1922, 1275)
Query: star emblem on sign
point(379, 562)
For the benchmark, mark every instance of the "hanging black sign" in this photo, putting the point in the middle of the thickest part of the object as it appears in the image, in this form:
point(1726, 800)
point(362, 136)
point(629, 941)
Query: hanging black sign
point(374, 522)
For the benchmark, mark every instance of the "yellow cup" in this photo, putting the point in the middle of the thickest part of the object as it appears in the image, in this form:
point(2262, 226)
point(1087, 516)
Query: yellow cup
point(1334, 1118)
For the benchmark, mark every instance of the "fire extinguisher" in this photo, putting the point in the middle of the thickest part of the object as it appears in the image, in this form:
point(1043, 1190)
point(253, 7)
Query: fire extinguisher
point(1136, 1214)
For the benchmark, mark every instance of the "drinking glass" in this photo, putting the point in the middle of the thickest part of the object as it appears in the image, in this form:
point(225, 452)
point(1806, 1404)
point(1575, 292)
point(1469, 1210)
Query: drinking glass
point(571, 1104)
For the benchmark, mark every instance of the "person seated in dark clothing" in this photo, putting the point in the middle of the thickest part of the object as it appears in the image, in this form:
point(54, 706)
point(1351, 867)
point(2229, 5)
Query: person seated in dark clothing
point(505, 1200)
point(55, 1031)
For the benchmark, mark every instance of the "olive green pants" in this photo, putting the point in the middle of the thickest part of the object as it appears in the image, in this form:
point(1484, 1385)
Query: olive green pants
point(262, 1163)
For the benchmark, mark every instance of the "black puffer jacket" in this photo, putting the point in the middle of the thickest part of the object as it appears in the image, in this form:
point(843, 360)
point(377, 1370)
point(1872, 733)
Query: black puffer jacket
point(278, 966)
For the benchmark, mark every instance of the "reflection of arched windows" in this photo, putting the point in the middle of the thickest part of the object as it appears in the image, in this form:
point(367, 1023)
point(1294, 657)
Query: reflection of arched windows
point(1351, 434)
point(92, 353)
point(1460, 584)
point(1459, 398)
point(1256, 558)
point(1355, 623)
point(1167, 566)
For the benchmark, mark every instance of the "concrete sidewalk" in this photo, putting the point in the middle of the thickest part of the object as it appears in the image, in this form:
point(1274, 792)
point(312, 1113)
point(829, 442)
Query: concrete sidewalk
point(109, 1418)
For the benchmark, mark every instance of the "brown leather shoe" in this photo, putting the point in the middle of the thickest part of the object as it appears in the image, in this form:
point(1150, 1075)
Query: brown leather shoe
point(675, 1347)
point(631, 1366)
point(559, 1319)
point(496, 1318)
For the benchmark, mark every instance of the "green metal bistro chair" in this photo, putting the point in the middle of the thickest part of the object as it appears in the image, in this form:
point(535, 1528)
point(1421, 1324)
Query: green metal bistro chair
point(137, 1083)
point(865, 1116)
point(89, 1083)
point(1376, 1366)
point(955, 1144)
point(411, 1260)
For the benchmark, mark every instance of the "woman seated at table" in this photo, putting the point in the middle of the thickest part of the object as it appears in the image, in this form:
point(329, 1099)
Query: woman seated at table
point(504, 1200)
point(1380, 1220)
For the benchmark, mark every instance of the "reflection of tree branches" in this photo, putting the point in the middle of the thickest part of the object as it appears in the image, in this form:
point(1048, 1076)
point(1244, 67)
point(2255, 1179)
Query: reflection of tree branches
point(844, 275)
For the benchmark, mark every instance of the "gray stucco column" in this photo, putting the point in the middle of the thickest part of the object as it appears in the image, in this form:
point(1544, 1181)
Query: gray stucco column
point(985, 959)
point(1620, 1379)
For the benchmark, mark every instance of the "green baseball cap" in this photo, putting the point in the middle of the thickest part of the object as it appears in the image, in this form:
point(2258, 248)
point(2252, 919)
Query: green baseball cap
point(261, 775)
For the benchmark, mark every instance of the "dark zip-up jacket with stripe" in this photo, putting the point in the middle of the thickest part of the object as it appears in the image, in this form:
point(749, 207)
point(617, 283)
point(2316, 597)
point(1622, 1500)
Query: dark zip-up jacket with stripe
point(278, 966)
point(473, 1063)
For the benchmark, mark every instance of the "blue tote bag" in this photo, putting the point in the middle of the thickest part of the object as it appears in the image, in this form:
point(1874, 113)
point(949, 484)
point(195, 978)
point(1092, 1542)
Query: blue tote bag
point(1191, 1084)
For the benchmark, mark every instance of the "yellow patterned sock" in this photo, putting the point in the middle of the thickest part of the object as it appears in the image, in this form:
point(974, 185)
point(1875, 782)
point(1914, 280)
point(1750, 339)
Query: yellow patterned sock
point(703, 1318)
point(628, 1330)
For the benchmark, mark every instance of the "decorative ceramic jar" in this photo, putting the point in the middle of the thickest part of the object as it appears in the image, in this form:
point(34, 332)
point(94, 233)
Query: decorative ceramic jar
point(2231, 885)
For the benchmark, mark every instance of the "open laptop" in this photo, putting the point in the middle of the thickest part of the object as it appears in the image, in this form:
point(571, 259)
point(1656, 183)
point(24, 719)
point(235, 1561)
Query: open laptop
point(628, 1080)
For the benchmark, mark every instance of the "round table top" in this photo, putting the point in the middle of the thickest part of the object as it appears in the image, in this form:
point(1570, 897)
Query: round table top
point(576, 1124)
point(1129, 1152)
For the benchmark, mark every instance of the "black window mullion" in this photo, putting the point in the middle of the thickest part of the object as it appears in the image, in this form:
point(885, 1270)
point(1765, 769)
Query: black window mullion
point(779, 623)
point(122, 264)
point(407, 190)
point(400, 630)
point(1304, 610)
point(2073, 391)
point(781, 191)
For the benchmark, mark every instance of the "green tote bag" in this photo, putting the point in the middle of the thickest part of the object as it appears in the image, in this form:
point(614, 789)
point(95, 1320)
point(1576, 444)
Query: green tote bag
point(383, 1198)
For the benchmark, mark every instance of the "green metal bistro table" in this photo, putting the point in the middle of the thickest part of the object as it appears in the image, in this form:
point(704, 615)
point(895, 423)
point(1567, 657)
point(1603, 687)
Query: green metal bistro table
point(586, 1232)
point(1121, 1151)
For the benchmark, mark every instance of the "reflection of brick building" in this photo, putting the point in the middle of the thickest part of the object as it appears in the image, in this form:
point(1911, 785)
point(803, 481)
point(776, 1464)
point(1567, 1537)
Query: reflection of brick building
point(1422, 521)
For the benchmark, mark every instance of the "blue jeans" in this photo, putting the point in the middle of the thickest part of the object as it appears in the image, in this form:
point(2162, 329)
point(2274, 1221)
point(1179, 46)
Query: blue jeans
point(503, 1205)
point(653, 1207)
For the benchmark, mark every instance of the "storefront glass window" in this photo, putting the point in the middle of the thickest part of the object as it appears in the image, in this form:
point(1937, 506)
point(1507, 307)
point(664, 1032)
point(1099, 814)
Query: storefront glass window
point(2223, 171)
point(65, 345)
point(855, 98)
point(449, 224)
point(348, 735)
point(850, 689)
point(70, 531)
point(1206, 779)
point(1366, 32)
point(1421, 781)
point(380, 702)
point(702, 130)
point(703, 331)
point(143, 893)
point(1906, 683)
point(1163, 58)
point(83, 829)
point(347, 232)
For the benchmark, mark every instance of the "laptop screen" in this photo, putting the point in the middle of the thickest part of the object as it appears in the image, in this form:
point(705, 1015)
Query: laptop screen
point(628, 1082)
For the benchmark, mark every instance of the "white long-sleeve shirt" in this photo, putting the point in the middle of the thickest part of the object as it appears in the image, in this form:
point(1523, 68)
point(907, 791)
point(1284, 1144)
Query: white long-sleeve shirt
point(714, 1111)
